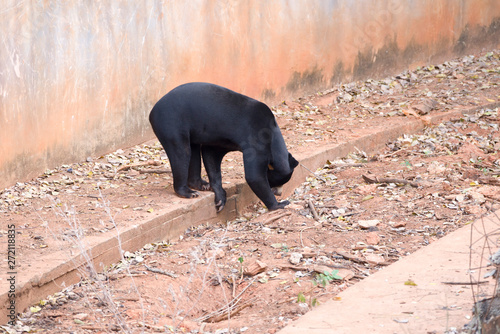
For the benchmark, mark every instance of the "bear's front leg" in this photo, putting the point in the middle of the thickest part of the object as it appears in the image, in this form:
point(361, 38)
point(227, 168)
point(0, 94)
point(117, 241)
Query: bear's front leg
point(256, 177)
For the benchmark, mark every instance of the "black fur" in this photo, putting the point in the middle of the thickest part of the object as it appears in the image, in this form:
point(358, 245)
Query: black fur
point(198, 120)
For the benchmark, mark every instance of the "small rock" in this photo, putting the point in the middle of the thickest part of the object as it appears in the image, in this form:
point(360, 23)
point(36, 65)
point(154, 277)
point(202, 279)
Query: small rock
point(368, 223)
point(366, 189)
point(254, 267)
point(81, 316)
point(478, 197)
point(303, 308)
point(134, 314)
point(133, 172)
point(346, 274)
point(295, 258)
point(308, 252)
point(397, 224)
point(473, 209)
point(217, 253)
point(62, 300)
point(73, 296)
point(490, 191)
point(426, 106)
point(401, 321)
point(321, 269)
point(374, 259)
point(338, 212)
point(372, 238)
point(324, 260)
point(435, 168)
point(266, 230)
point(295, 206)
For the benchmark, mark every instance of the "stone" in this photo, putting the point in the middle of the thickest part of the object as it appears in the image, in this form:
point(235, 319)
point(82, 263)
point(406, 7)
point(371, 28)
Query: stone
point(374, 259)
point(372, 238)
point(295, 258)
point(254, 267)
point(368, 223)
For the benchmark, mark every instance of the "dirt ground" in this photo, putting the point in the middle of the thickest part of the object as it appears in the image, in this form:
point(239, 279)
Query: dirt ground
point(352, 218)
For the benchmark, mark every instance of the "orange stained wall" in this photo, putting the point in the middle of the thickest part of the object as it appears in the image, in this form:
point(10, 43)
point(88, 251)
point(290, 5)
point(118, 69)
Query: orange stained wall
point(78, 78)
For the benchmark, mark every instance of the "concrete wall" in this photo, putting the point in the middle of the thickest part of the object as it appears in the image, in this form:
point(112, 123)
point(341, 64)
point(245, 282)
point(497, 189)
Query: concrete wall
point(78, 78)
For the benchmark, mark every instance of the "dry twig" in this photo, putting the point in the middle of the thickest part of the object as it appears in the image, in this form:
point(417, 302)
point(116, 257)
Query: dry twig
point(138, 164)
point(159, 271)
point(466, 283)
point(344, 165)
point(306, 228)
point(313, 209)
point(155, 171)
point(229, 309)
point(313, 173)
point(276, 217)
point(389, 180)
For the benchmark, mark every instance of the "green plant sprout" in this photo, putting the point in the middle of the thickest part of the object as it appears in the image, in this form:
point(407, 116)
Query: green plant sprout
point(325, 278)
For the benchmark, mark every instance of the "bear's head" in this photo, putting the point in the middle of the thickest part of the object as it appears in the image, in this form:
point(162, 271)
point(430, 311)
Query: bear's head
point(277, 178)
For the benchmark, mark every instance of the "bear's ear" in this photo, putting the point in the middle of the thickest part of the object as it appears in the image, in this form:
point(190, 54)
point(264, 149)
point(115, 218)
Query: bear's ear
point(291, 160)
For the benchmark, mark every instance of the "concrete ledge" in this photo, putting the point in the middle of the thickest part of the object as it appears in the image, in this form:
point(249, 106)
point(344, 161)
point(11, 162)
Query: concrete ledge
point(173, 221)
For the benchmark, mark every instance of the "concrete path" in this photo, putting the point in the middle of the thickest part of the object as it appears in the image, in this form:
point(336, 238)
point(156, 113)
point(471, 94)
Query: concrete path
point(382, 303)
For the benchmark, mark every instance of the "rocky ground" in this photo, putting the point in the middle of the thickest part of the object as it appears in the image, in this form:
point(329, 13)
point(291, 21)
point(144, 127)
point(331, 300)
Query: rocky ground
point(256, 274)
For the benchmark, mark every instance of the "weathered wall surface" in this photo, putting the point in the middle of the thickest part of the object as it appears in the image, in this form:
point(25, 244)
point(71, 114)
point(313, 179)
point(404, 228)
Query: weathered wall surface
point(78, 78)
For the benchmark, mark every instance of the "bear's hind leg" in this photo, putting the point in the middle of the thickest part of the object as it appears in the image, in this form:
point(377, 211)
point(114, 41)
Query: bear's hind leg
point(179, 155)
point(194, 176)
point(212, 158)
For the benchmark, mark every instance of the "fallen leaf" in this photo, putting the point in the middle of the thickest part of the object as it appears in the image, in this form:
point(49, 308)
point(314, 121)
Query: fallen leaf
point(410, 283)
point(35, 309)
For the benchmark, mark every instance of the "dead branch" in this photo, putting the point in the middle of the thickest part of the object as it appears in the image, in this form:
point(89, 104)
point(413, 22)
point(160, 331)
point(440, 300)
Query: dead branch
point(306, 228)
point(229, 309)
point(313, 209)
point(129, 299)
point(313, 173)
point(344, 165)
point(389, 180)
point(155, 171)
point(276, 217)
point(493, 181)
point(94, 328)
point(465, 283)
point(138, 164)
point(159, 271)
point(229, 312)
point(296, 268)
point(395, 152)
point(350, 257)
point(360, 260)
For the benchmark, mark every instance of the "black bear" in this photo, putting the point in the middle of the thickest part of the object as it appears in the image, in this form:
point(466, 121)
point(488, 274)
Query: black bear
point(202, 119)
